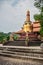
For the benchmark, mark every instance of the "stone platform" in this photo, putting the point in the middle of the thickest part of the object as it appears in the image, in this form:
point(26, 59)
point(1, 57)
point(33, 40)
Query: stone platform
point(20, 55)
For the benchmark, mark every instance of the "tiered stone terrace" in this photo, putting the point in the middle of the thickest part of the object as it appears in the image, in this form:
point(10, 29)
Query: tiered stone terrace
point(34, 55)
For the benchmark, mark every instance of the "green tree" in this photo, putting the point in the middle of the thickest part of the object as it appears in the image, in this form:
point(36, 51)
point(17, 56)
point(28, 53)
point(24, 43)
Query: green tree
point(16, 37)
point(8, 37)
point(39, 4)
point(3, 37)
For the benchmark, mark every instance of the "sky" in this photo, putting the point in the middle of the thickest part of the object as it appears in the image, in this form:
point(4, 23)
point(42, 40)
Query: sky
point(13, 14)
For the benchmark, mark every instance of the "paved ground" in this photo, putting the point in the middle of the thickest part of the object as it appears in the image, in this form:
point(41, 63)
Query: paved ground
point(13, 61)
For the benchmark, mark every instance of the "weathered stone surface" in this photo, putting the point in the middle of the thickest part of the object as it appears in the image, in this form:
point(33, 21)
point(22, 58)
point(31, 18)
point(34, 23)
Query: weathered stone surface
point(12, 61)
point(41, 46)
point(22, 43)
point(19, 55)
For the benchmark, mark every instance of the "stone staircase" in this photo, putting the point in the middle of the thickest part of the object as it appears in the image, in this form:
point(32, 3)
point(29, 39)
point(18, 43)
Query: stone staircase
point(22, 52)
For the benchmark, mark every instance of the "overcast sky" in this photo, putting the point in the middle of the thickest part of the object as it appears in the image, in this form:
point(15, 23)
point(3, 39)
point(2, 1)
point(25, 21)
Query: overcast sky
point(13, 14)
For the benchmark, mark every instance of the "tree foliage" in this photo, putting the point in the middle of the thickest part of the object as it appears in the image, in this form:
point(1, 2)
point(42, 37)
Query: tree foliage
point(4, 37)
point(39, 4)
point(16, 37)
point(37, 16)
point(41, 31)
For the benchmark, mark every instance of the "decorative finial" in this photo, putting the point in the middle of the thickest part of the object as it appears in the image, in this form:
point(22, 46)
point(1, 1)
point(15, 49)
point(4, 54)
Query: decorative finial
point(28, 13)
point(28, 16)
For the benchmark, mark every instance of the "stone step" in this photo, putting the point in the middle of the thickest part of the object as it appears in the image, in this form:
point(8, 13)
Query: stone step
point(1, 48)
point(24, 54)
point(25, 50)
point(21, 50)
point(20, 56)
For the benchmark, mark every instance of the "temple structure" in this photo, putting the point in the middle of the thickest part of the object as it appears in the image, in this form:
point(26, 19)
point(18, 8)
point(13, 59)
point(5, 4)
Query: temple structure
point(29, 29)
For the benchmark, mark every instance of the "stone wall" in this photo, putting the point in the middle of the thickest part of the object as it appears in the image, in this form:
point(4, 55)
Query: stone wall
point(22, 43)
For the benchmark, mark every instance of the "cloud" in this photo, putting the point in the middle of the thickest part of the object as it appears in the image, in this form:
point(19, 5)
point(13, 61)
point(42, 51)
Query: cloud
point(13, 14)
